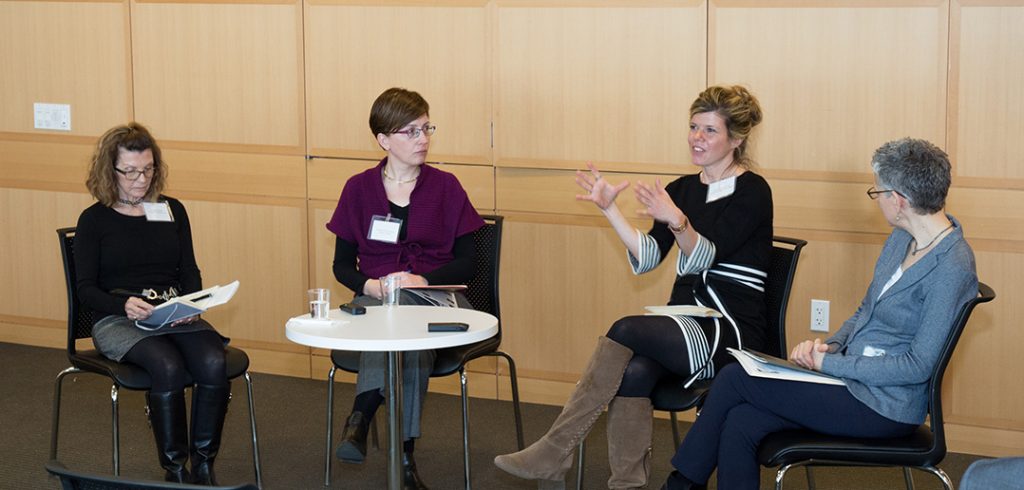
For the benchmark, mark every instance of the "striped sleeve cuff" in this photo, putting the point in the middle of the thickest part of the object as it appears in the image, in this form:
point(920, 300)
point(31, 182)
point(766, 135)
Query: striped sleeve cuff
point(699, 260)
point(649, 257)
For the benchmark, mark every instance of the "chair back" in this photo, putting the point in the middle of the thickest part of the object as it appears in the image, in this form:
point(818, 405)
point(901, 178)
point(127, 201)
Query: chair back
point(781, 271)
point(985, 294)
point(80, 319)
point(483, 287)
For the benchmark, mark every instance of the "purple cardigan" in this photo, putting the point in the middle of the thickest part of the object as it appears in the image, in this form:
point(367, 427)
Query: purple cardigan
point(439, 212)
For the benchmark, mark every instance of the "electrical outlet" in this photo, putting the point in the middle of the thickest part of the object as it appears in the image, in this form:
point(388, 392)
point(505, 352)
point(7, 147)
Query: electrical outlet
point(819, 315)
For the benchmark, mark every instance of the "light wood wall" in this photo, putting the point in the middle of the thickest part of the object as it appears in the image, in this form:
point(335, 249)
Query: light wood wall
point(262, 109)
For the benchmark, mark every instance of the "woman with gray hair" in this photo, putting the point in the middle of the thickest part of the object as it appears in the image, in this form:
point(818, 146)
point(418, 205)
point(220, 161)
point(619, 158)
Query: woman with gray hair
point(884, 353)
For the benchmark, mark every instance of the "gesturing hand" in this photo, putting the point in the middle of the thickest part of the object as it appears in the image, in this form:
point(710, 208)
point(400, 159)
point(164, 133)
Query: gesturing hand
point(657, 203)
point(599, 191)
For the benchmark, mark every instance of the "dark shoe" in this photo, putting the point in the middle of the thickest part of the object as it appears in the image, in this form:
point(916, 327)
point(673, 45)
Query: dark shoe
point(209, 407)
point(167, 416)
point(676, 481)
point(353, 439)
point(411, 479)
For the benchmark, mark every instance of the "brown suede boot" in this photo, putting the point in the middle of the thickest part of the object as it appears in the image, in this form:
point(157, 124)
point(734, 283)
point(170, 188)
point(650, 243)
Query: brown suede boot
point(550, 457)
point(629, 441)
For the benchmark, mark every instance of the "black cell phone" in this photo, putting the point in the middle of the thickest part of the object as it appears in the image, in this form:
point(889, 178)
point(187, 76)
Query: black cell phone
point(352, 309)
point(447, 327)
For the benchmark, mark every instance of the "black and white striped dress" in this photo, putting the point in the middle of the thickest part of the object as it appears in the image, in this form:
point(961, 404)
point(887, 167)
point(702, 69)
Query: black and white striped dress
point(725, 271)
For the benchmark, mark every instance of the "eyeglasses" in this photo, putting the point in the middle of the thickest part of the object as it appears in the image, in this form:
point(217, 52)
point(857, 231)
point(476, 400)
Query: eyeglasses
point(873, 193)
point(414, 133)
point(135, 174)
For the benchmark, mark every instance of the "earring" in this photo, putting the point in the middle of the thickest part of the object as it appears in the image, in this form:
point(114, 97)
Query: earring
point(899, 217)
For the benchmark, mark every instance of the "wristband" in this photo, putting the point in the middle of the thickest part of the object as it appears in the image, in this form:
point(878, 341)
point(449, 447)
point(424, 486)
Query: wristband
point(681, 228)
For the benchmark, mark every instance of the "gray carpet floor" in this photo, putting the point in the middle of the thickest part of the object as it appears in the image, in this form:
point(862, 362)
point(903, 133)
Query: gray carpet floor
point(290, 414)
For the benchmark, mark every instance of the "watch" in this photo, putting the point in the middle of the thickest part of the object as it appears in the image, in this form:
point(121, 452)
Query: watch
point(681, 228)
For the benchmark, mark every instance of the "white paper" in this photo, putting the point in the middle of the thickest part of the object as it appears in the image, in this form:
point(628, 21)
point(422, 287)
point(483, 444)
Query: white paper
point(687, 310)
point(763, 366)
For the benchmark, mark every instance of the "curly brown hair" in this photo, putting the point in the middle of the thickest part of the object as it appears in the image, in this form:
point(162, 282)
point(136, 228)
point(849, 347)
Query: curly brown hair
point(102, 180)
point(740, 110)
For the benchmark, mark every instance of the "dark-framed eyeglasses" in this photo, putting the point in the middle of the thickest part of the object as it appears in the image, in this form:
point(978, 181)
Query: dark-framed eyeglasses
point(413, 133)
point(135, 174)
point(874, 193)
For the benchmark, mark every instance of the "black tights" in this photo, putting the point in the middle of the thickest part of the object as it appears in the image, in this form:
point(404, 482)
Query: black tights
point(659, 350)
point(171, 359)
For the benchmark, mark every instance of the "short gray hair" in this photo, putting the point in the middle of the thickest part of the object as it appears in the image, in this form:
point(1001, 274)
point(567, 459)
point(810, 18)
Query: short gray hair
point(915, 168)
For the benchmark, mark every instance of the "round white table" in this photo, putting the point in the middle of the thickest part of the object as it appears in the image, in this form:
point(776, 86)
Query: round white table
point(393, 330)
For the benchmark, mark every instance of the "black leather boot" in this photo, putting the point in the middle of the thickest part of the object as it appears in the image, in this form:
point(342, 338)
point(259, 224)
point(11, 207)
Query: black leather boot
point(353, 439)
point(209, 407)
point(676, 481)
point(167, 415)
point(411, 479)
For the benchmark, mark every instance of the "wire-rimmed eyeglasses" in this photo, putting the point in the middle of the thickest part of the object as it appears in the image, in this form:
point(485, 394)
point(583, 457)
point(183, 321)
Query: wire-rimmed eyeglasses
point(413, 133)
point(873, 193)
point(134, 174)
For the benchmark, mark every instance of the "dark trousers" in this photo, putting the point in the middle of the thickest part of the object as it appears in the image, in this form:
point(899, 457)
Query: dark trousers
point(741, 410)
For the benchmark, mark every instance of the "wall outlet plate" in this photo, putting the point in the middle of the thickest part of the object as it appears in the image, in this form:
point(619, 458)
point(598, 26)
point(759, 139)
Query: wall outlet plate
point(819, 315)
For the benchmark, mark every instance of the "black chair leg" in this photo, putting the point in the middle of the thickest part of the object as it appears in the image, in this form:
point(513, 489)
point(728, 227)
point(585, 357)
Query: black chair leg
point(676, 438)
point(465, 426)
point(515, 398)
point(330, 426)
point(255, 441)
point(115, 429)
point(581, 456)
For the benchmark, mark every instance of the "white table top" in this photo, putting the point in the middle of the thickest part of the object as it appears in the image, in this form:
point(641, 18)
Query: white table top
point(398, 328)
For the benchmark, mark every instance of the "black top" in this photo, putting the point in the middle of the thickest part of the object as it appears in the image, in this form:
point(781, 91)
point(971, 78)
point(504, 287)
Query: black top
point(114, 251)
point(458, 271)
point(740, 227)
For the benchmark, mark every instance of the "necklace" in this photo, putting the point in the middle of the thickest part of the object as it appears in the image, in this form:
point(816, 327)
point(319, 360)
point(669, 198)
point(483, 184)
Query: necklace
point(915, 251)
point(395, 179)
point(130, 203)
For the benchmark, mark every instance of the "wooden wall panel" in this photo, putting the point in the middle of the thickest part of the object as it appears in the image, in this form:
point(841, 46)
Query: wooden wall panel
point(835, 79)
point(215, 74)
point(34, 286)
point(264, 247)
point(354, 53)
point(76, 53)
point(610, 82)
point(989, 66)
point(44, 165)
point(238, 174)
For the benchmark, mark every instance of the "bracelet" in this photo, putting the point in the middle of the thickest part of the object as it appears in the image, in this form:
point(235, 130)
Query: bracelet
point(681, 228)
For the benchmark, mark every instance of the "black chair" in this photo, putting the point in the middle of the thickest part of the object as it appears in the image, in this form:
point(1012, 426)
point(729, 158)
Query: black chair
point(78, 480)
point(671, 397)
point(923, 449)
point(122, 375)
point(483, 294)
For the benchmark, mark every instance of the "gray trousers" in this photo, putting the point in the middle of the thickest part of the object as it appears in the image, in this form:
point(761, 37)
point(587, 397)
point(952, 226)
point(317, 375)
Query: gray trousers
point(416, 369)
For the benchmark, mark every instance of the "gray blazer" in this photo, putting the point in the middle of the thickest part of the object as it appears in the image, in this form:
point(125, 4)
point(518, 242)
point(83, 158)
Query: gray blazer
point(886, 351)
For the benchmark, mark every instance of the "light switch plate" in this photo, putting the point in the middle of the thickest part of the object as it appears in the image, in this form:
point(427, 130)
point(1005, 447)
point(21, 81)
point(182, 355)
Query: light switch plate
point(52, 116)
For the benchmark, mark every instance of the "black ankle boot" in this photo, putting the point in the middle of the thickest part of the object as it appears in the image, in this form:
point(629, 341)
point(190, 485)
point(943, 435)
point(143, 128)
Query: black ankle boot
point(676, 481)
point(353, 439)
point(411, 479)
point(167, 416)
point(209, 407)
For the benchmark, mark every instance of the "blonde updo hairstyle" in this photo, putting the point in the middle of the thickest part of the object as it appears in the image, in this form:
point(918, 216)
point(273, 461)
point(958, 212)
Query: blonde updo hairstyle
point(740, 110)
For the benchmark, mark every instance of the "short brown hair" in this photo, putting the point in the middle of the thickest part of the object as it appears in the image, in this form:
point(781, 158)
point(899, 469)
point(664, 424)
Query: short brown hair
point(395, 108)
point(740, 110)
point(102, 180)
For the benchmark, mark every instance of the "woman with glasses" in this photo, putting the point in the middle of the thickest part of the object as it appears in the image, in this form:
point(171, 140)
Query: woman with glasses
point(884, 353)
point(720, 220)
point(133, 249)
point(406, 220)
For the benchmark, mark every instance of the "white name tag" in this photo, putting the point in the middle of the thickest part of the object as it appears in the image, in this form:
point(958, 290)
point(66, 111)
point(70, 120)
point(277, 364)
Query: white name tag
point(873, 352)
point(158, 211)
point(720, 189)
point(385, 229)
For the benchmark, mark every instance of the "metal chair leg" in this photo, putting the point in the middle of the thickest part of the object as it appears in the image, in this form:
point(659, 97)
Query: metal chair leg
point(810, 478)
point(55, 425)
point(255, 441)
point(115, 430)
point(581, 456)
point(946, 482)
point(675, 428)
point(330, 426)
point(908, 478)
point(465, 426)
point(515, 398)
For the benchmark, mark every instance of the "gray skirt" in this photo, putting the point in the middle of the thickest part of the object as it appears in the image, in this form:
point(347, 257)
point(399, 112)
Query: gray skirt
point(115, 335)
